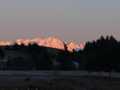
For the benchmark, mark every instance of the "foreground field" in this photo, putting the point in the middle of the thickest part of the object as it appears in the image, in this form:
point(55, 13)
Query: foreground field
point(84, 83)
point(52, 80)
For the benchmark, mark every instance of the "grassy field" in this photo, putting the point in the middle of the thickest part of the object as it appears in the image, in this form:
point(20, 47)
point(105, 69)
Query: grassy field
point(83, 82)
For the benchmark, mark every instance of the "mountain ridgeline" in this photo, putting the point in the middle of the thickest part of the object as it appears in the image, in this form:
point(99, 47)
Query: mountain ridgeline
point(102, 54)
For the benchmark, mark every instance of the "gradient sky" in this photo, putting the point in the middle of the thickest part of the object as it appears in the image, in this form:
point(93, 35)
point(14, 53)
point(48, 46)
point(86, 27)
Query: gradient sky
point(79, 20)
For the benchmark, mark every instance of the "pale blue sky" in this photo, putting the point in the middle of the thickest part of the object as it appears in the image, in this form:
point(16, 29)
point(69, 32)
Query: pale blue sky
point(100, 3)
point(60, 3)
point(79, 20)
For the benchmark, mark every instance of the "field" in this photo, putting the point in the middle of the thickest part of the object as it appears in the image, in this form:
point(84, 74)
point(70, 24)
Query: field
point(58, 80)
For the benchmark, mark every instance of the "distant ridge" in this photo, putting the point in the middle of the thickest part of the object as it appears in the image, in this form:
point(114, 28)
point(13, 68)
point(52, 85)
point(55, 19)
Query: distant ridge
point(52, 41)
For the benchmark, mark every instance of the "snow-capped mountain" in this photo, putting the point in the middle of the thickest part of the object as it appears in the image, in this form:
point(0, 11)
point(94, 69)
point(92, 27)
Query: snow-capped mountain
point(53, 42)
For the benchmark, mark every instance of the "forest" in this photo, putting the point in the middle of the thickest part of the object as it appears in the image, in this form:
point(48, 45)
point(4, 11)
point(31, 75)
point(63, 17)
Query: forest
point(102, 54)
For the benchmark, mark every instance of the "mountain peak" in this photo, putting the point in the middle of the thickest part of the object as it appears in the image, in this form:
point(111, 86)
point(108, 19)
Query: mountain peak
point(72, 46)
point(51, 41)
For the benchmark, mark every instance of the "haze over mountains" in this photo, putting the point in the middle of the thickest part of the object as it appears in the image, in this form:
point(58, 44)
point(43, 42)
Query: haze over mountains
point(53, 42)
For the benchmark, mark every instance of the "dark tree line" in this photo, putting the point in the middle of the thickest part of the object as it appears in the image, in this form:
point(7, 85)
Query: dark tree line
point(99, 55)
point(34, 57)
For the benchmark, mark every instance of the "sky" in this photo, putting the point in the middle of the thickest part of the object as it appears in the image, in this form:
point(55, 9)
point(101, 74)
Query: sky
point(79, 20)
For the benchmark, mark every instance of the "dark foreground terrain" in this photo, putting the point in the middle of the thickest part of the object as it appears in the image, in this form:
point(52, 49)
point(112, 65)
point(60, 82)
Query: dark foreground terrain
point(58, 81)
point(84, 83)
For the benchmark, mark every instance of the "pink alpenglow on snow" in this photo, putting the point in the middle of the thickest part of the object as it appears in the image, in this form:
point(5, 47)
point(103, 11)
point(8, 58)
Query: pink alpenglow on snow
point(52, 42)
point(72, 46)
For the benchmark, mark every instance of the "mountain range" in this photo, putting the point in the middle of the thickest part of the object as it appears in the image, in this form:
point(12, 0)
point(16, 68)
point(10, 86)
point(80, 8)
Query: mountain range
point(53, 42)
